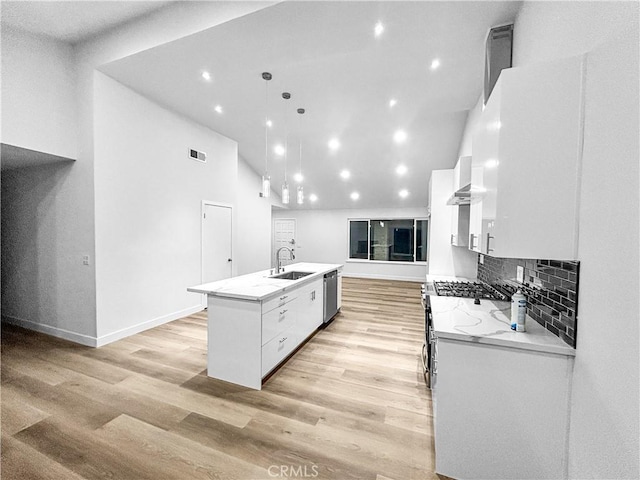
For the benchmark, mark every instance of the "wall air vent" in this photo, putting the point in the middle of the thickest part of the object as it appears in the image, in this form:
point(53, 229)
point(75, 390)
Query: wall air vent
point(498, 51)
point(196, 155)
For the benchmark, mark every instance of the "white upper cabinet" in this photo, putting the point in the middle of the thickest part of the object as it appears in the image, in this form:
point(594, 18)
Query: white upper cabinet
point(460, 212)
point(526, 153)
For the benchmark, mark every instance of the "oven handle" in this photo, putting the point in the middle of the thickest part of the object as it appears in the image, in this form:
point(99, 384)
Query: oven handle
point(425, 369)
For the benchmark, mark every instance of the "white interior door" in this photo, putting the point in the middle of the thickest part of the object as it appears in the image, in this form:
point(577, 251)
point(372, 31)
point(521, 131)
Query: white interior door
point(284, 235)
point(216, 243)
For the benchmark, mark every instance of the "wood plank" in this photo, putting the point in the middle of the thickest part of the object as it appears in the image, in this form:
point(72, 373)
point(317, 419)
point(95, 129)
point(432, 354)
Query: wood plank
point(173, 455)
point(20, 461)
point(350, 404)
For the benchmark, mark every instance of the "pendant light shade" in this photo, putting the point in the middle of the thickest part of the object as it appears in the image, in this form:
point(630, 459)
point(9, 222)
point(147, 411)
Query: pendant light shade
point(266, 178)
point(285, 185)
point(300, 192)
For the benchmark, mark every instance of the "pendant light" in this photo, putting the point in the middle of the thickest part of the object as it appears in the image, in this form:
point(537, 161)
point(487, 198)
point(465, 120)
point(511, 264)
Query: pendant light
point(285, 185)
point(300, 192)
point(266, 179)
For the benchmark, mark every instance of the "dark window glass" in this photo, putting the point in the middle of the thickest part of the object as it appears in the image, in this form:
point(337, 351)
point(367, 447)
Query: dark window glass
point(421, 240)
point(391, 240)
point(358, 238)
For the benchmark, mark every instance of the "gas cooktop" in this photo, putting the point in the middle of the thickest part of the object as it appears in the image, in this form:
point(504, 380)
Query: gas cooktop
point(468, 290)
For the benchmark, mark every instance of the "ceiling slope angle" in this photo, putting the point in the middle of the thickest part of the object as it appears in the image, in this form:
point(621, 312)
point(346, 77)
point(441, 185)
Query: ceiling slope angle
point(327, 54)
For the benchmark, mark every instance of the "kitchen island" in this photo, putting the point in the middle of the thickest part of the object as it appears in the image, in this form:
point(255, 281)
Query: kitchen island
point(256, 321)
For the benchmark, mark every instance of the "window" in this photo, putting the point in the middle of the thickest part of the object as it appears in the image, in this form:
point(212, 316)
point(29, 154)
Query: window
point(358, 239)
point(388, 240)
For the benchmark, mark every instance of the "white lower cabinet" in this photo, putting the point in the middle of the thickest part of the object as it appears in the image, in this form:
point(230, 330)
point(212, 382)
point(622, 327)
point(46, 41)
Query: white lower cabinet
point(500, 413)
point(248, 339)
point(277, 349)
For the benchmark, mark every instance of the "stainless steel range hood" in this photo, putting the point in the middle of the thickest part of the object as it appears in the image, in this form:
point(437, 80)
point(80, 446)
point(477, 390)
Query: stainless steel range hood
point(466, 195)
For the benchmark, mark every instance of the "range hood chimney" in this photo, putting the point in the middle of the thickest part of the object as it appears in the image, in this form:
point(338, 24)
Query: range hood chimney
point(498, 51)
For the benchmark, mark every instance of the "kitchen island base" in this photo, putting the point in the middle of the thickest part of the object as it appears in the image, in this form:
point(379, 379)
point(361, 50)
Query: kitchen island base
point(256, 321)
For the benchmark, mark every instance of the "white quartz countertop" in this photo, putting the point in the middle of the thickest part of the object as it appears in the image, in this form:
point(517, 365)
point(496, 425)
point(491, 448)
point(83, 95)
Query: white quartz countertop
point(489, 323)
point(258, 286)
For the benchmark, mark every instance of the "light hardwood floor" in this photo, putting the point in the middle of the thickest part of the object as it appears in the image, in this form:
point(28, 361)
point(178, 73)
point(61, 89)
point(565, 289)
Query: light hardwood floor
point(350, 404)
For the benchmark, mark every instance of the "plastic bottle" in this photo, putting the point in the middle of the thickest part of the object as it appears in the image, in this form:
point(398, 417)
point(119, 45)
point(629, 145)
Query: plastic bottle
point(518, 311)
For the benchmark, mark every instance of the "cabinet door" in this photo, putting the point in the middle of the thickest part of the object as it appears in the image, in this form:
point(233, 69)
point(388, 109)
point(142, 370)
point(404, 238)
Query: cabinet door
point(486, 161)
point(277, 349)
point(539, 141)
point(309, 308)
point(475, 211)
point(278, 320)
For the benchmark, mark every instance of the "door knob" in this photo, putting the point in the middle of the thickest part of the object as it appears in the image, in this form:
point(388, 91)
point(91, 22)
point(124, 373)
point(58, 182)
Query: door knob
point(228, 259)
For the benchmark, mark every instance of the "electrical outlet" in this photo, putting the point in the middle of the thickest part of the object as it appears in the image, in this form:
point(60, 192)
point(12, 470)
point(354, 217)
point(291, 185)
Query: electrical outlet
point(520, 274)
point(85, 259)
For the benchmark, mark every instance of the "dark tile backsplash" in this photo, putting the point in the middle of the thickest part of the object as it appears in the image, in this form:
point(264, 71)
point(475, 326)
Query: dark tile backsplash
point(551, 288)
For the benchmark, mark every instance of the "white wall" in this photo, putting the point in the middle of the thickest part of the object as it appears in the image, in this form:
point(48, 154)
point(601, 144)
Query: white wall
point(603, 438)
point(148, 196)
point(38, 93)
point(322, 236)
point(47, 211)
point(43, 80)
point(604, 434)
point(45, 287)
point(253, 245)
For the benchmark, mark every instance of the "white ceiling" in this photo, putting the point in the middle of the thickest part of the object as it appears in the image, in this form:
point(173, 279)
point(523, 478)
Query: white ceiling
point(325, 54)
point(71, 21)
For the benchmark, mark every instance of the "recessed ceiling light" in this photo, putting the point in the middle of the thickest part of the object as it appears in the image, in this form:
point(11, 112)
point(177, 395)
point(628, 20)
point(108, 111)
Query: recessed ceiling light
point(269, 123)
point(334, 144)
point(400, 136)
point(207, 76)
point(298, 177)
point(313, 197)
point(218, 108)
point(378, 29)
point(435, 63)
point(401, 169)
point(345, 174)
point(355, 196)
point(278, 150)
point(392, 103)
point(403, 193)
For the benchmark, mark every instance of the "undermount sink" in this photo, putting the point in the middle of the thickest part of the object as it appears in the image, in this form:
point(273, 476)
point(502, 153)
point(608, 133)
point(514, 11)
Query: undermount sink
point(291, 275)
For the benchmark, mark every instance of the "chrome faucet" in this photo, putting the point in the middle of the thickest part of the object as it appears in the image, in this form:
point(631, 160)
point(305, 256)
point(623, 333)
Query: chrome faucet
point(278, 258)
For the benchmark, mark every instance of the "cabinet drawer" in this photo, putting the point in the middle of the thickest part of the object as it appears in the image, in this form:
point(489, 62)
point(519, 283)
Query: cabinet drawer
point(277, 349)
point(277, 320)
point(278, 301)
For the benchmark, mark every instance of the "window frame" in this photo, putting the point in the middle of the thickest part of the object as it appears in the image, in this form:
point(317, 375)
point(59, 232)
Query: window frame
point(415, 221)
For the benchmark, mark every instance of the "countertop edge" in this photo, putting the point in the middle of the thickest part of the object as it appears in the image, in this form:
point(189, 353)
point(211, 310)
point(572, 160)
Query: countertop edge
point(461, 337)
point(287, 284)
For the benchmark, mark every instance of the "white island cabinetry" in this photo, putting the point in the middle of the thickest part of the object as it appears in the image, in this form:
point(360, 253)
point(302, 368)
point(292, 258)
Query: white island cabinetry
point(255, 321)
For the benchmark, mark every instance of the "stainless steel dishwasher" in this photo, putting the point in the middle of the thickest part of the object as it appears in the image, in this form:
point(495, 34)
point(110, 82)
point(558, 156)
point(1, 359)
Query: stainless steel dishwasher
point(330, 295)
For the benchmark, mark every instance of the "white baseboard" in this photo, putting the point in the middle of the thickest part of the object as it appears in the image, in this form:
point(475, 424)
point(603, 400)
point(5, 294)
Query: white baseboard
point(90, 341)
point(127, 332)
point(80, 338)
point(383, 277)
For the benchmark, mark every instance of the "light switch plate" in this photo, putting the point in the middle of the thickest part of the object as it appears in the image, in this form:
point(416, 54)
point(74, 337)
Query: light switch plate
point(520, 274)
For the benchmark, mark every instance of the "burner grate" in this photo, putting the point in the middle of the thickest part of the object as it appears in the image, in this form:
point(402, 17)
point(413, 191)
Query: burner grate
point(467, 290)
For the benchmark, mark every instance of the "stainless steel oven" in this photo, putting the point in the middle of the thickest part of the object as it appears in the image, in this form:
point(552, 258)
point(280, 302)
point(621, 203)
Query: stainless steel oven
point(428, 349)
